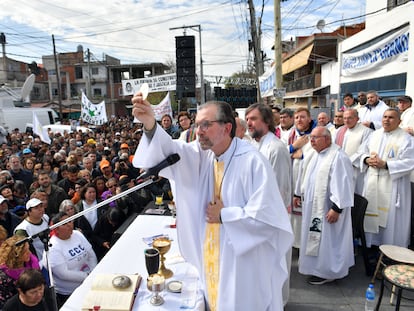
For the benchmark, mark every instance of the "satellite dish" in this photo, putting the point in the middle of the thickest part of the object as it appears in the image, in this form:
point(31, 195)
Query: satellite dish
point(321, 24)
point(27, 87)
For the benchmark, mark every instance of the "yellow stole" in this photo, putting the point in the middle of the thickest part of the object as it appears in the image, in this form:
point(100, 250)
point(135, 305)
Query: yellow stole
point(212, 245)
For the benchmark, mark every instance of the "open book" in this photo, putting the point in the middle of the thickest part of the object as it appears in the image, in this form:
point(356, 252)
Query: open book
point(108, 297)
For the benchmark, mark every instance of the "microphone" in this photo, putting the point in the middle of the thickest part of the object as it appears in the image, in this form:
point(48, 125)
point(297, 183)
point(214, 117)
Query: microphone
point(153, 171)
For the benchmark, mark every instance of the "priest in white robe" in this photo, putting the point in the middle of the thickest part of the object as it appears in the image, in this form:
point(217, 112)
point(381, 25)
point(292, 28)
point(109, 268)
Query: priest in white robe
point(371, 114)
point(387, 157)
point(260, 124)
point(255, 232)
point(407, 124)
point(298, 147)
point(350, 137)
point(326, 191)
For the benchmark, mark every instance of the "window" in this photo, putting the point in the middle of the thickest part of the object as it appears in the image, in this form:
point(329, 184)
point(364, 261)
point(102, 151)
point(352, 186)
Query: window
point(95, 71)
point(78, 73)
point(97, 92)
point(394, 3)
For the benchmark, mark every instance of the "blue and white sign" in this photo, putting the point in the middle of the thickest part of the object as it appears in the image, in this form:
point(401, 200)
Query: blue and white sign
point(392, 48)
point(267, 82)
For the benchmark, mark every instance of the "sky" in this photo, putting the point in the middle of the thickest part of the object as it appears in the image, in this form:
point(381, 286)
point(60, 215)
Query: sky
point(139, 31)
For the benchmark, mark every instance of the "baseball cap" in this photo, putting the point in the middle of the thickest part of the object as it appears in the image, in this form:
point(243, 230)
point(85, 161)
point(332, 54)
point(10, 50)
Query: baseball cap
point(405, 98)
point(124, 146)
point(117, 134)
point(32, 203)
point(18, 209)
point(91, 141)
point(27, 151)
point(2, 199)
point(104, 163)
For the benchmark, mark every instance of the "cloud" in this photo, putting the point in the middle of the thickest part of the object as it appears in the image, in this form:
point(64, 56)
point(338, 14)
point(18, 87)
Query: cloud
point(139, 31)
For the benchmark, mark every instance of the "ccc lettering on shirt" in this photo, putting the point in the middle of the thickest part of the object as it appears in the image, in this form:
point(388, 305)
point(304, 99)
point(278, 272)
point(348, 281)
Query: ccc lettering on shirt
point(76, 251)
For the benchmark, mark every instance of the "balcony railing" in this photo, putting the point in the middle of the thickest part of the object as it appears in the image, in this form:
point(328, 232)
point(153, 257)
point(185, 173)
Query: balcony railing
point(303, 83)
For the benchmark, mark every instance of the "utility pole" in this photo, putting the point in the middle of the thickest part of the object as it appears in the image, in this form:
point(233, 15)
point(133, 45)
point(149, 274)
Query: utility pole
point(256, 47)
point(57, 78)
point(278, 50)
point(3, 72)
point(89, 88)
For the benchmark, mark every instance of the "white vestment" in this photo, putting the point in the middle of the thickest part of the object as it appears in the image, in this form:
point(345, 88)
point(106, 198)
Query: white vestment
point(336, 252)
point(296, 216)
point(256, 233)
point(388, 223)
point(275, 151)
point(284, 134)
point(373, 114)
point(353, 139)
point(407, 118)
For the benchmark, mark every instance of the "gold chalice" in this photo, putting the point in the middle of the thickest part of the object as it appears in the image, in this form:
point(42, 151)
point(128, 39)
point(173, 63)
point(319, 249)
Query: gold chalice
point(163, 246)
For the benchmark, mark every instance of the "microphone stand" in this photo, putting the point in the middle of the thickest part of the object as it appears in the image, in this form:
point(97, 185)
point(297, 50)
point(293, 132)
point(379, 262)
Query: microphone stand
point(44, 234)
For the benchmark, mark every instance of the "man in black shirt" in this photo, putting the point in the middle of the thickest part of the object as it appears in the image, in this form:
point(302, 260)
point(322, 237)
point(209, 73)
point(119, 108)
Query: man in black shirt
point(31, 293)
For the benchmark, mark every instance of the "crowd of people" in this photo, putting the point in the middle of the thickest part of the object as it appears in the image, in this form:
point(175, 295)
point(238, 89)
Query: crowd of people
point(297, 190)
point(42, 184)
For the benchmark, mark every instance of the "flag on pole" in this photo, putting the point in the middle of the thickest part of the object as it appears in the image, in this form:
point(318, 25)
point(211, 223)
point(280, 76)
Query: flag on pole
point(93, 113)
point(40, 131)
point(164, 107)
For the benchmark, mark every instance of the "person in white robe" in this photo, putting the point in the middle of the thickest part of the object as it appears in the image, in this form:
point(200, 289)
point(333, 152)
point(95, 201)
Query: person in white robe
point(326, 191)
point(407, 124)
point(371, 114)
point(350, 137)
point(255, 232)
point(298, 147)
point(260, 124)
point(387, 158)
point(407, 113)
point(286, 124)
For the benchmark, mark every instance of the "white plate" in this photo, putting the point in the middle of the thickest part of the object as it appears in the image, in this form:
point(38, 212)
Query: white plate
point(174, 286)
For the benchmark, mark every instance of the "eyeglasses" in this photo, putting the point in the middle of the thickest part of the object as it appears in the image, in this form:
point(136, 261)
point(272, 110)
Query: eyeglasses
point(316, 137)
point(204, 125)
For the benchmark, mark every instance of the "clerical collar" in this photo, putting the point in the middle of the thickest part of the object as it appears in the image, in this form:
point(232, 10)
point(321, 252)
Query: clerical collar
point(228, 154)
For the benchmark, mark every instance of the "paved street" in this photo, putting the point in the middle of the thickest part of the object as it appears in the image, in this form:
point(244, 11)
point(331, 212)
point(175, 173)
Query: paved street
point(346, 294)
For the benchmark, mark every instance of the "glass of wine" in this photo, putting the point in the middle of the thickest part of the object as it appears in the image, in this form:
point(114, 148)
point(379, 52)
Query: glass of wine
point(152, 260)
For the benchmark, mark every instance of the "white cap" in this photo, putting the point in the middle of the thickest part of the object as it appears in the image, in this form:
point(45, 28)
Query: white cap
point(33, 203)
point(2, 199)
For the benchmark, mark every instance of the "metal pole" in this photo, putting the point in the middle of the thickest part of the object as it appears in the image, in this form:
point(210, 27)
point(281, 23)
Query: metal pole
point(57, 79)
point(202, 91)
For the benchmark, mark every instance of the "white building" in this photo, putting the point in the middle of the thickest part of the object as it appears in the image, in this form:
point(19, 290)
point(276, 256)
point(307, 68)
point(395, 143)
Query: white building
point(378, 58)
